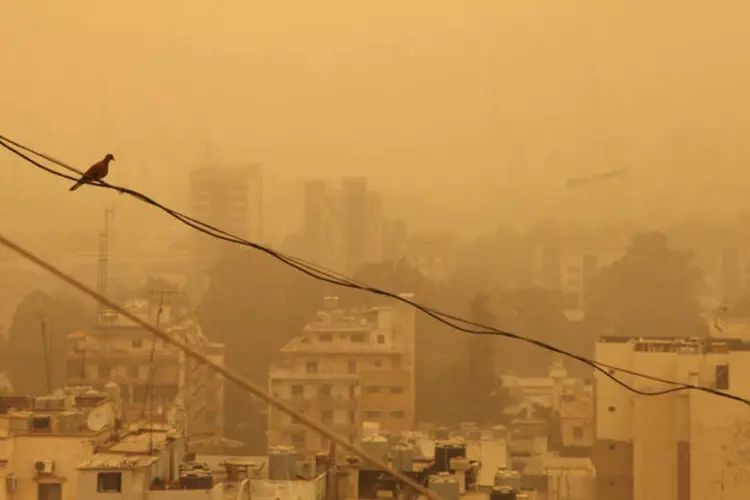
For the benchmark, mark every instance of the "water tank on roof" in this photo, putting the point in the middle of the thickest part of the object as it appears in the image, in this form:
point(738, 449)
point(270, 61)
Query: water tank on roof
point(446, 486)
point(376, 446)
point(113, 391)
point(402, 457)
point(504, 493)
point(509, 478)
point(445, 451)
point(282, 463)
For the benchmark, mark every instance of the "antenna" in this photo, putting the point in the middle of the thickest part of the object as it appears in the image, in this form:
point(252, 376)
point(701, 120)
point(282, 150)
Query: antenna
point(150, 382)
point(45, 345)
point(102, 276)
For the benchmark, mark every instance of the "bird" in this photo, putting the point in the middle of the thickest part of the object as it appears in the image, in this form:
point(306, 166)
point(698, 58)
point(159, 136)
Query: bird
point(96, 172)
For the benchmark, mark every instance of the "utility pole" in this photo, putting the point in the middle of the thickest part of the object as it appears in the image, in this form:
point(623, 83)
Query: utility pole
point(102, 275)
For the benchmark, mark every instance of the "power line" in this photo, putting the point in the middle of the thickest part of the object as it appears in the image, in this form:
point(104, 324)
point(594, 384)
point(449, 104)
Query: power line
point(328, 276)
point(241, 381)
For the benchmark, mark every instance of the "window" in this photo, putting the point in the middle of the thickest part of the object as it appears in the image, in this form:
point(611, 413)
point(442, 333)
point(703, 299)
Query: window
point(325, 337)
point(298, 391)
point(381, 338)
point(311, 367)
point(137, 343)
point(397, 390)
point(40, 424)
point(372, 414)
point(377, 363)
point(358, 337)
point(326, 417)
point(722, 377)
point(109, 482)
point(326, 391)
point(372, 390)
point(397, 414)
point(577, 432)
point(352, 367)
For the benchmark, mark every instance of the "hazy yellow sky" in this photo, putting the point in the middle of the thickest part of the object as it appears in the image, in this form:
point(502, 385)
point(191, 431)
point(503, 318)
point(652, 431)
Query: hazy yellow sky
point(469, 105)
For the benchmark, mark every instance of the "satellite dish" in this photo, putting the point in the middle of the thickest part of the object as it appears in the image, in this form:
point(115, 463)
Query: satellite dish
point(100, 418)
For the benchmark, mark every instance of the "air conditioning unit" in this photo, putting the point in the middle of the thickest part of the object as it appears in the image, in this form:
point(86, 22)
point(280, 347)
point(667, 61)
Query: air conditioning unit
point(11, 483)
point(44, 466)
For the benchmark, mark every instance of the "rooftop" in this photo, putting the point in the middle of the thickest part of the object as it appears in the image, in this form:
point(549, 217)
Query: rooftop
point(106, 461)
point(676, 344)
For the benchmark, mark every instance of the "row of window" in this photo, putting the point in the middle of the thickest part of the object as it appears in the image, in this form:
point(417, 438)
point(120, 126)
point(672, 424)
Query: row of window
point(378, 414)
point(326, 390)
point(314, 366)
point(355, 337)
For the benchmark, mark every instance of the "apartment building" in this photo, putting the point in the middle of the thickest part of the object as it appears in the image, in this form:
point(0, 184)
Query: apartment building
point(570, 265)
point(158, 383)
point(347, 367)
point(228, 198)
point(343, 228)
point(677, 445)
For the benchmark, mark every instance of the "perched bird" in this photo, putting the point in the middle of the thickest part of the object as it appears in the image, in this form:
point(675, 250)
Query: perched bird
point(96, 172)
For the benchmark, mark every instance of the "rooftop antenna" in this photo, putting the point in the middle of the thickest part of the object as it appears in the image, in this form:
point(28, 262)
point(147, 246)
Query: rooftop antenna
point(102, 280)
point(149, 396)
point(45, 345)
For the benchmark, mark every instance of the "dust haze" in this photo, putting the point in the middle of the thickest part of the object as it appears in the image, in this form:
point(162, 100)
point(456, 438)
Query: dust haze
point(489, 131)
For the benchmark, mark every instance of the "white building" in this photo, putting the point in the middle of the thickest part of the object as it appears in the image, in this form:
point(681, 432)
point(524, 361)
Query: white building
point(684, 444)
point(346, 368)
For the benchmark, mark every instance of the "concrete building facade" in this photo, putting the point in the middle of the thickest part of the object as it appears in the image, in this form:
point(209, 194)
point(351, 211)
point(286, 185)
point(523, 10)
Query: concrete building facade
point(346, 368)
point(677, 445)
point(157, 382)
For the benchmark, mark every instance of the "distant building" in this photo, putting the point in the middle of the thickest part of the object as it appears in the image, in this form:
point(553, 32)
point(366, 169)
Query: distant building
point(433, 254)
point(342, 229)
point(681, 444)
point(230, 199)
point(569, 265)
point(121, 351)
point(346, 368)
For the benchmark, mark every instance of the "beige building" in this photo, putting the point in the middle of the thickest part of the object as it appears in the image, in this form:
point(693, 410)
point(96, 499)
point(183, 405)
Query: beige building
point(120, 351)
point(685, 444)
point(346, 368)
point(577, 430)
point(42, 440)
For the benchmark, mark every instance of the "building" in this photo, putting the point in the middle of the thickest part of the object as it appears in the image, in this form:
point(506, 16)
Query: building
point(43, 439)
point(679, 444)
point(569, 265)
point(230, 199)
point(433, 254)
point(577, 429)
point(346, 368)
point(158, 383)
point(344, 228)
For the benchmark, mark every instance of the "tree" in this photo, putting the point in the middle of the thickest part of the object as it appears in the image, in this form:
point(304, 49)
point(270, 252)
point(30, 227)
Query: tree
point(536, 313)
point(254, 305)
point(653, 290)
point(56, 316)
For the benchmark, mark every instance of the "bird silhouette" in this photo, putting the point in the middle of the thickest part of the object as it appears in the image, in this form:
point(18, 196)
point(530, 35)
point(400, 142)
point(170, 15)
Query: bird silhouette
point(96, 172)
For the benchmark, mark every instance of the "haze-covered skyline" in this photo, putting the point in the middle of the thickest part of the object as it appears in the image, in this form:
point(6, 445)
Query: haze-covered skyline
point(464, 109)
